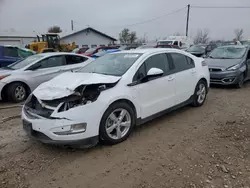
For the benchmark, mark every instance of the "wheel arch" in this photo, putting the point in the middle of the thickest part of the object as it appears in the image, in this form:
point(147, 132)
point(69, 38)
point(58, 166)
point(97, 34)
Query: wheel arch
point(205, 80)
point(4, 90)
point(126, 101)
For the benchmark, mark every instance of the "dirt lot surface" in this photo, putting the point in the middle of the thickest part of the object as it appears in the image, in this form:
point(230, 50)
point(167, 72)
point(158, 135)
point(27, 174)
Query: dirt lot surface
point(192, 147)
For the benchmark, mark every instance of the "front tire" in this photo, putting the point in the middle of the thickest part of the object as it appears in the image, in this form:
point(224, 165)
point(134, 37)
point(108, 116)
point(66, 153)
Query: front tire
point(241, 81)
point(200, 94)
point(117, 123)
point(17, 92)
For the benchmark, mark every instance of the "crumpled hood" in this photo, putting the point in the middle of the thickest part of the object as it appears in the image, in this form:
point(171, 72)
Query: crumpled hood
point(65, 84)
point(222, 63)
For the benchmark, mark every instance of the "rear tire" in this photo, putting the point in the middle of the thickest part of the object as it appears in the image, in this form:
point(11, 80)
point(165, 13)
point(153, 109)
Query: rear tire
point(200, 94)
point(117, 123)
point(17, 92)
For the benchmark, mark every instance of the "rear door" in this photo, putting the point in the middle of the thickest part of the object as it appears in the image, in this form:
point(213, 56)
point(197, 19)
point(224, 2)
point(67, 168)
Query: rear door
point(185, 76)
point(73, 62)
point(45, 70)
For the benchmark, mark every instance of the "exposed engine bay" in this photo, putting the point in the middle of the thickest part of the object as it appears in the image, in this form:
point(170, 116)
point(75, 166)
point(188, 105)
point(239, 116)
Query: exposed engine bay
point(83, 95)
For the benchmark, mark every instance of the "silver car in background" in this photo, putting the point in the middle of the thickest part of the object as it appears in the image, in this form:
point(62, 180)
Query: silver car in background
point(19, 79)
point(229, 65)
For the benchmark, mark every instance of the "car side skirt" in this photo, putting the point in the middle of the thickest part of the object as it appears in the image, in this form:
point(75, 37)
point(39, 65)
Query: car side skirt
point(140, 121)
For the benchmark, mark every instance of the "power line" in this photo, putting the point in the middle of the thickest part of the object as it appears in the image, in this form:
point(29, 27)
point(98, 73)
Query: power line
point(221, 7)
point(153, 19)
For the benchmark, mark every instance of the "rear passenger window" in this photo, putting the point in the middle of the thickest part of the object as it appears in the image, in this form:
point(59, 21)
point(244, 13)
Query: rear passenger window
point(71, 59)
point(182, 62)
point(190, 62)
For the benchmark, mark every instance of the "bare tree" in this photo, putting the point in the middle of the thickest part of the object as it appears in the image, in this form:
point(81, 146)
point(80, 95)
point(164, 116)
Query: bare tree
point(177, 34)
point(202, 36)
point(132, 37)
point(143, 39)
point(238, 34)
point(125, 36)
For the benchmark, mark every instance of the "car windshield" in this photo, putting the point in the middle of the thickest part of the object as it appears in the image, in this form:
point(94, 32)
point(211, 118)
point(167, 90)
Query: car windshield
point(22, 52)
point(23, 63)
point(230, 52)
point(75, 50)
point(112, 64)
point(101, 53)
point(196, 48)
point(163, 46)
point(91, 50)
point(145, 47)
point(165, 42)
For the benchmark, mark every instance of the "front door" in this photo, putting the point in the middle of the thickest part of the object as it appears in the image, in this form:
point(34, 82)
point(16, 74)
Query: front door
point(45, 70)
point(158, 93)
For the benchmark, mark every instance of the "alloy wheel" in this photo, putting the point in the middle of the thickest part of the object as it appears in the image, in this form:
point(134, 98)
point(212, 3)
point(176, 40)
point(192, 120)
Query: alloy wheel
point(20, 93)
point(118, 123)
point(201, 93)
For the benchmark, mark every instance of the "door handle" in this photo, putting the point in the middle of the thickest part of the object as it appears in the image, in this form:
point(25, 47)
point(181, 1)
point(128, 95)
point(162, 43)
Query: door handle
point(171, 78)
point(193, 71)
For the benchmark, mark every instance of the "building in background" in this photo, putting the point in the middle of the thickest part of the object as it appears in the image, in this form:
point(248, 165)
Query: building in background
point(88, 37)
point(15, 39)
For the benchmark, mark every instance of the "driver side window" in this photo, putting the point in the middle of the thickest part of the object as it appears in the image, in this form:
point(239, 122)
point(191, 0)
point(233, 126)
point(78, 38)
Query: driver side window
point(159, 61)
point(50, 62)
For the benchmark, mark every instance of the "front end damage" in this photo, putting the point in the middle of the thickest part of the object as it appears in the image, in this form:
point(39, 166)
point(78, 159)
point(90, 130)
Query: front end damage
point(72, 119)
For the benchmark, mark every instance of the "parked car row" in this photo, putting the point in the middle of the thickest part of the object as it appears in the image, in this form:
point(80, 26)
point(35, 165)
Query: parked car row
point(79, 99)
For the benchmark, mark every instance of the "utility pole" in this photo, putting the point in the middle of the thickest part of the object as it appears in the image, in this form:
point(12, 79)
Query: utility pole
point(72, 25)
point(187, 19)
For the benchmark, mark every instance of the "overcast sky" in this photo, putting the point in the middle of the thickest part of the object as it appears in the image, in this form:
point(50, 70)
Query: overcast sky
point(110, 16)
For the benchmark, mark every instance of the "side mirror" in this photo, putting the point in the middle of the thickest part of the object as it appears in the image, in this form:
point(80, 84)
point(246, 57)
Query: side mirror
point(154, 72)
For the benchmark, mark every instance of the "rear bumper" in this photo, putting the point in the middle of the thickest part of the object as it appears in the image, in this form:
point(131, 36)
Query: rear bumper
point(225, 77)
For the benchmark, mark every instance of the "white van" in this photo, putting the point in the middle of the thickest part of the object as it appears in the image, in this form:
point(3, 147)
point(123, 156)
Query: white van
point(182, 41)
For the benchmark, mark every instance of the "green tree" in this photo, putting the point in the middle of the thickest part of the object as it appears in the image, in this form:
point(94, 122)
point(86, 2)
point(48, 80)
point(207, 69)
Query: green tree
point(54, 29)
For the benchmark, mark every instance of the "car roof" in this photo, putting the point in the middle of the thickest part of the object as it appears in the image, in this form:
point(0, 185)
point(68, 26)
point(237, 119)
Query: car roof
point(235, 46)
point(57, 53)
point(150, 50)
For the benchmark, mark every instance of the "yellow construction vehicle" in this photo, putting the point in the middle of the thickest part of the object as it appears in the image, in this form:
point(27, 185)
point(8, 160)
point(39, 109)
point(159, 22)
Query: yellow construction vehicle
point(50, 42)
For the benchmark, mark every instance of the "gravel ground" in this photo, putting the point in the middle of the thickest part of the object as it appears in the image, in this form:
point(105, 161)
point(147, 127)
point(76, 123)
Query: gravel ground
point(190, 148)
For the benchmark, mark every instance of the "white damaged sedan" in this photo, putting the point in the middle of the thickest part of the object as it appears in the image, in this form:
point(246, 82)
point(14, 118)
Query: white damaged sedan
point(104, 100)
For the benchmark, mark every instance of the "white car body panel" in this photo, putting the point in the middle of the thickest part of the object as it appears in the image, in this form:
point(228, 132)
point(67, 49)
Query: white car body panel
point(36, 77)
point(148, 98)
